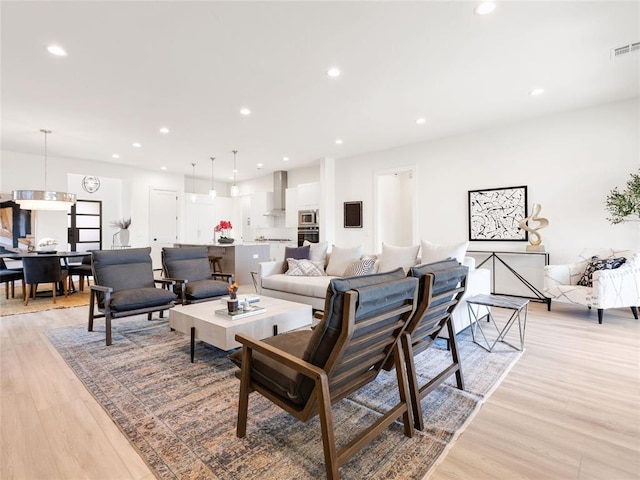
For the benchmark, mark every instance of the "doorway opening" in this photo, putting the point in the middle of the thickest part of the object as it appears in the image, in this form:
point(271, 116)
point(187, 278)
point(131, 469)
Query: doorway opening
point(395, 208)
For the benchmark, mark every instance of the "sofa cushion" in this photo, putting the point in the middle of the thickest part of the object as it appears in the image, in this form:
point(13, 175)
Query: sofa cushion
point(318, 252)
point(341, 258)
point(394, 257)
point(305, 268)
point(364, 266)
point(134, 299)
point(206, 289)
point(432, 252)
point(309, 286)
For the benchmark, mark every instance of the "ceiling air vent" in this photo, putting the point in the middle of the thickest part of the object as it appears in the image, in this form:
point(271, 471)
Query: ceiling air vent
point(620, 51)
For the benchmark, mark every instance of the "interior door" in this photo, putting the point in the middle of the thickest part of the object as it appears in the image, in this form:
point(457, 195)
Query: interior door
point(163, 221)
point(85, 226)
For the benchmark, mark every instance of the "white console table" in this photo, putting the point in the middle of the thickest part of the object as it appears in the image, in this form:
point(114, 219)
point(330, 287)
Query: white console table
point(506, 259)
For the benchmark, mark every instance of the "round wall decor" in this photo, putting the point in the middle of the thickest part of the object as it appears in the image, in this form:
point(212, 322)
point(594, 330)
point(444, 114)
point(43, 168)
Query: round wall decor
point(91, 184)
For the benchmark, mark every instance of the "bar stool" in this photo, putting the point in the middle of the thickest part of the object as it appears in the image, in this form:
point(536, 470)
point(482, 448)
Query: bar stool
point(214, 262)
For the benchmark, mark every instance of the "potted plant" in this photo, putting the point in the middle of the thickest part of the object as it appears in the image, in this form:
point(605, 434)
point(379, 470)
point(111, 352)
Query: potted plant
point(224, 228)
point(123, 233)
point(624, 206)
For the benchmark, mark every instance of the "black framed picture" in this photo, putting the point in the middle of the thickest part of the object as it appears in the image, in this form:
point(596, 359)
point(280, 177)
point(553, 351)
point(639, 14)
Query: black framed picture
point(352, 214)
point(494, 214)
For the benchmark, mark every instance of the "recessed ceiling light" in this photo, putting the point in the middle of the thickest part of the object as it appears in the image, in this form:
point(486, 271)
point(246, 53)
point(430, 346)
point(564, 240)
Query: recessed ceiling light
point(484, 8)
point(245, 111)
point(285, 159)
point(164, 130)
point(115, 155)
point(57, 50)
point(420, 121)
point(235, 170)
point(163, 168)
point(536, 91)
point(333, 72)
point(136, 145)
point(260, 165)
point(338, 141)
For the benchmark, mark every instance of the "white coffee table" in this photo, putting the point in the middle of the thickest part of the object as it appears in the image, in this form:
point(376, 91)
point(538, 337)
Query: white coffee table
point(201, 321)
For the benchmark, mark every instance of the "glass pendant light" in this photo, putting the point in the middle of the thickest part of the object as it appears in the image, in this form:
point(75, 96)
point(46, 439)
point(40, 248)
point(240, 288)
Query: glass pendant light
point(212, 192)
point(234, 188)
point(44, 199)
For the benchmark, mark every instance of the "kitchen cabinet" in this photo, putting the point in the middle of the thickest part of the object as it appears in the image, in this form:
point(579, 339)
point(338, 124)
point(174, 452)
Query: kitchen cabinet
point(239, 259)
point(203, 215)
point(291, 208)
point(309, 196)
point(261, 203)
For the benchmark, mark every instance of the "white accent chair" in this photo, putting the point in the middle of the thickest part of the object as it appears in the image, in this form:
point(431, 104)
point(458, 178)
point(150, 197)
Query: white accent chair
point(615, 288)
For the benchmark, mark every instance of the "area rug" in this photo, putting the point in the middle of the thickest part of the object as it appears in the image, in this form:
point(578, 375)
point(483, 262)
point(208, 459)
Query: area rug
point(181, 417)
point(15, 306)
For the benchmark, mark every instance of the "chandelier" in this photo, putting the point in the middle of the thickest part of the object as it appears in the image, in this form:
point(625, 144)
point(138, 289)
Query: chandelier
point(44, 199)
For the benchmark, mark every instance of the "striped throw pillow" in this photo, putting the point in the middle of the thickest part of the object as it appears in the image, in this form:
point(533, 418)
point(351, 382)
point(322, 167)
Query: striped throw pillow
point(364, 266)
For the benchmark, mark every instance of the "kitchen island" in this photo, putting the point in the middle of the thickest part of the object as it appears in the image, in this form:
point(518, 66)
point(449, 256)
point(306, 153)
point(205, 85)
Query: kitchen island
point(240, 259)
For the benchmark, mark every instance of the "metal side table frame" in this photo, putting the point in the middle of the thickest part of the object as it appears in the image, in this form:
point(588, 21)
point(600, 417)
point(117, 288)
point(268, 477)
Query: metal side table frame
point(517, 305)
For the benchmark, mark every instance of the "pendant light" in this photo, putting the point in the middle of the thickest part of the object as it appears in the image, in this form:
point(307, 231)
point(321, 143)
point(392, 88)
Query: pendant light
point(212, 192)
point(193, 183)
point(44, 199)
point(234, 188)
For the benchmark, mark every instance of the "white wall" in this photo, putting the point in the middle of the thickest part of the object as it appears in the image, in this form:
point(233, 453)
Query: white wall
point(569, 162)
point(24, 171)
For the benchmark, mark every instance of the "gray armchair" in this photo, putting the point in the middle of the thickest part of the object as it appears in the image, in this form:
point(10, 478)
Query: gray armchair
point(304, 372)
point(190, 269)
point(124, 286)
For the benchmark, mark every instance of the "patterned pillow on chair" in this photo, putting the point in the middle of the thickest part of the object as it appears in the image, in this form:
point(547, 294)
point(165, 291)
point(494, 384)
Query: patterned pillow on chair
point(596, 264)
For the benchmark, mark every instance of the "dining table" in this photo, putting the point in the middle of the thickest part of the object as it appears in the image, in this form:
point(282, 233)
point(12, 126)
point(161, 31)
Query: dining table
point(64, 256)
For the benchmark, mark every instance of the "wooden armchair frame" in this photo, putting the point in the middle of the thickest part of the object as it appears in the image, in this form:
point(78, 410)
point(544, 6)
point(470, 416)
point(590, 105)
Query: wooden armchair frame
point(432, 315)
point(358, 367)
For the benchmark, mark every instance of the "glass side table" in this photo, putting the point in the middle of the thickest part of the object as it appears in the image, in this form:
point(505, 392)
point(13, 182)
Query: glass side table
point(517, 305)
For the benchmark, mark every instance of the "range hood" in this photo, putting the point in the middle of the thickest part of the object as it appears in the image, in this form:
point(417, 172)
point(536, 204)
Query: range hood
point(279, 194)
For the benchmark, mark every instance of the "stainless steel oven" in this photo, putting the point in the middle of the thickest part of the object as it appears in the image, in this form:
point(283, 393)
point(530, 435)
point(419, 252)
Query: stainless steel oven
point(311, 234)
point(307, 218)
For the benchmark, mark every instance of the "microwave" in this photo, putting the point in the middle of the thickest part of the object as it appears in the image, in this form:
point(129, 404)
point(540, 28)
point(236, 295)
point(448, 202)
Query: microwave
point(307, 218)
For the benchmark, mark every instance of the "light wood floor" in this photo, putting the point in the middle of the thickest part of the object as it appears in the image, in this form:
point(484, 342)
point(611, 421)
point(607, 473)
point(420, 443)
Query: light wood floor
point(569, 409)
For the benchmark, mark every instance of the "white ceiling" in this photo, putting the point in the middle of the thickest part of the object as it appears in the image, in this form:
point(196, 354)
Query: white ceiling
point(133, 67)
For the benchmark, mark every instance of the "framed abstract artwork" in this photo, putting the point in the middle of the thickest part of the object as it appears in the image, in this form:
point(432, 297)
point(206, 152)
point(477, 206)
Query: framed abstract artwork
point(494, 214)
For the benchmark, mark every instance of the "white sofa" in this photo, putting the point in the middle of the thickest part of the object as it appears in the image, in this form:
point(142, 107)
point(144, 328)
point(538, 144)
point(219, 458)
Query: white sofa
point(272, 282)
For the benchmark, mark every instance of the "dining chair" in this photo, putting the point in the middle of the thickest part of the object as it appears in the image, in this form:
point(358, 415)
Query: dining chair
point(81, 270)
point(43, 269)
point(8, 276)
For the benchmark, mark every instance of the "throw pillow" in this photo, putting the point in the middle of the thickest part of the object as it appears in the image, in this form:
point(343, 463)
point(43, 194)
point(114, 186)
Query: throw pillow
point(305, 268)
point(393, 257)
point(596, 264)
point(341, 258)
point(318, 251)
point(298, 253)
point(432, 252)
point(364, 266)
